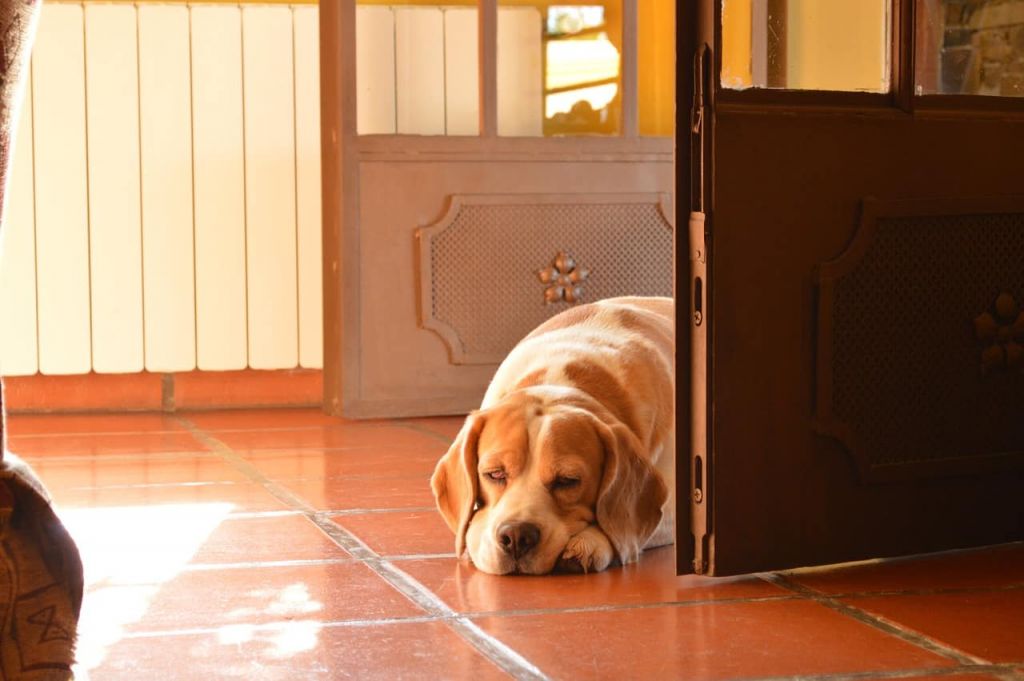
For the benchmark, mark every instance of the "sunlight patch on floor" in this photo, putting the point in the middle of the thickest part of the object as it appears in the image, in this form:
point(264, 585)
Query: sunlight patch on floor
point(128, 553)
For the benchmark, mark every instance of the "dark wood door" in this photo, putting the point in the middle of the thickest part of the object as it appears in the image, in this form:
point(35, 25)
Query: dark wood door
point(857, 372)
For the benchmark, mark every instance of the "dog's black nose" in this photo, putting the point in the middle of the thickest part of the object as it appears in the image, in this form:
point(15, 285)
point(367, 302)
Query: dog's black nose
point(518, 539)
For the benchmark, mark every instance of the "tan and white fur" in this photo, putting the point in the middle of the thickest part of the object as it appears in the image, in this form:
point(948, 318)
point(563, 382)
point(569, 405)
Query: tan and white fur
point(569, 462)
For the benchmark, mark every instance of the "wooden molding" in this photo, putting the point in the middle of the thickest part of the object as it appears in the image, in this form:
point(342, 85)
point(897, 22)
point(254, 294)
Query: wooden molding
point(874, 465)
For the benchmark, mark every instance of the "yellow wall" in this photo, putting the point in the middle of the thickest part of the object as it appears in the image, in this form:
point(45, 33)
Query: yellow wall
point(656, 56)
point(837, 44)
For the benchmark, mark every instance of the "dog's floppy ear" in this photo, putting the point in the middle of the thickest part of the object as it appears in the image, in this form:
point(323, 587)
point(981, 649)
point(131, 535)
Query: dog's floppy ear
point(454, 481)
point(631, 494)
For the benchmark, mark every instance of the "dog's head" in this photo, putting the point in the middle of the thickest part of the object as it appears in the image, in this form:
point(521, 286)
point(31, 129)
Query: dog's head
point(525, 475)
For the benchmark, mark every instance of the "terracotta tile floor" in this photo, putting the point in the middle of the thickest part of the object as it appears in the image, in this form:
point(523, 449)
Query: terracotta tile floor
point(289, 545)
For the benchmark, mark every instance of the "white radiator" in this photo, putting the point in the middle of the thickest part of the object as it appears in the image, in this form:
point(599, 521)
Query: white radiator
point(164, 206)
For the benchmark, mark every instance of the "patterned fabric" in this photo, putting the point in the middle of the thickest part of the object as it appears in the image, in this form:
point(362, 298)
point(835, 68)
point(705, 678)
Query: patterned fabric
point(40, 569)
point(17, 29)
point(40, 580)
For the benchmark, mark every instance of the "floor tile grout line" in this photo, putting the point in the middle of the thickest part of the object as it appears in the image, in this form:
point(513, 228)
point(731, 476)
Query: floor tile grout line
point(335, 624)
point(407, 557)
point(128, 456)
point(378, 511)
point(254, 429)
point(257, 565)
point(301, 449)
point(619, 607)
point(257, 515)
point(96, 433)
point(893, 629)
point(149, 485)
point(209, 483)
point(501, 655)
point(423, 430)
point(936, 591)
point(897, 560)
point(172, 454)
point(878, 675)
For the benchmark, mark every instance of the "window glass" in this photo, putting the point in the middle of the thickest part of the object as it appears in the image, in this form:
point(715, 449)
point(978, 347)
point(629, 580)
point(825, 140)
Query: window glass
point(970, 47)
point(559, 68)
point(417, 68)
point(806, 44)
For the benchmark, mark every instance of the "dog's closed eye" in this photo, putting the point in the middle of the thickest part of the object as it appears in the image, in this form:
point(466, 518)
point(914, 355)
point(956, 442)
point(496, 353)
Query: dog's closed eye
point(496, 476)
point(563, 482)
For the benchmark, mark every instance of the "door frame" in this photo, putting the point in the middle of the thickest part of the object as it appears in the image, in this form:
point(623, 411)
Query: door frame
point(693, 28)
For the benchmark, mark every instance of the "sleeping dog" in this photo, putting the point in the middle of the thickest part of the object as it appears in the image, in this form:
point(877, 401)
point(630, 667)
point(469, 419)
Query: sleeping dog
point(569, 462)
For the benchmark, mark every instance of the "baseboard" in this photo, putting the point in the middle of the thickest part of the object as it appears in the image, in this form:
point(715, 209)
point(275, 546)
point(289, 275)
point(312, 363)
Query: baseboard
point(145, 391)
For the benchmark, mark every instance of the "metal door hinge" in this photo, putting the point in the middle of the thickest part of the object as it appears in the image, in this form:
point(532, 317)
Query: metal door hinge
point(698, 238)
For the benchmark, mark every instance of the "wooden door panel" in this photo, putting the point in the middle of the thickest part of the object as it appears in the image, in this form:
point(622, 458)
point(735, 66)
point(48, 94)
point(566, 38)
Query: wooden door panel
point(789, 193)
point(919, 355)
point(407, 363)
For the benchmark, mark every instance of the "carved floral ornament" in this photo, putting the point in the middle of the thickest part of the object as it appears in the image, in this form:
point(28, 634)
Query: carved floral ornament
point(563, 280)
point(1002, 331)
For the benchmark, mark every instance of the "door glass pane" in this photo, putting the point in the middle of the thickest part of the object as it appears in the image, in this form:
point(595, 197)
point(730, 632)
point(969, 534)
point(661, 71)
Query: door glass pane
point(656, 62)
point(417, 68)
point(559, 68)
point(970, 47)
point(806, 44)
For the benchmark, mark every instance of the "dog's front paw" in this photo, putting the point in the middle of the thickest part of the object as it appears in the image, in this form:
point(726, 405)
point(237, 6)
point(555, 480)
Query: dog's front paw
point(588, 551)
